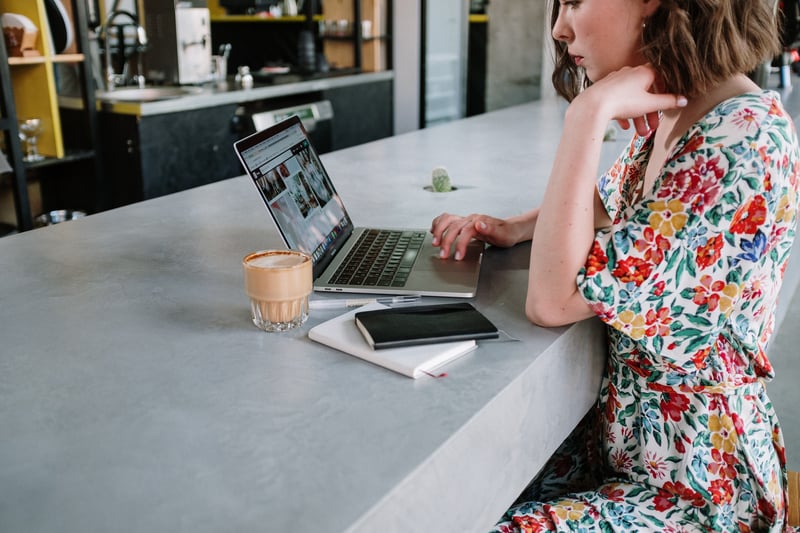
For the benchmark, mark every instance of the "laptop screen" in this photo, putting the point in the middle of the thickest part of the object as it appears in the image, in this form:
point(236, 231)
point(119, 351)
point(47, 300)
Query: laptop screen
point(296, 188)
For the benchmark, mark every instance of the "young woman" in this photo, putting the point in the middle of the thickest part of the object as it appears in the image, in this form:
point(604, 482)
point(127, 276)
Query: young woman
point(680, 248)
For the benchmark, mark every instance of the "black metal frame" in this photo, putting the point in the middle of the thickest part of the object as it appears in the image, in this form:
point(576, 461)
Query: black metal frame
point(82, 22)
point(9, 125)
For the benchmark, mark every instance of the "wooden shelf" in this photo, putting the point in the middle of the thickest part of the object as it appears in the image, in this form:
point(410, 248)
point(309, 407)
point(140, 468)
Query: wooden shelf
point(33, 79)
point(30, 60)
point(349, 38)
point(353, 49)
point(259, 18)
point(68, 58)
point(40, 60)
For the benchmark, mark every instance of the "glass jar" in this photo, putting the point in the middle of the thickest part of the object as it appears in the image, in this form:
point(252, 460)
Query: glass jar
point(243, 78)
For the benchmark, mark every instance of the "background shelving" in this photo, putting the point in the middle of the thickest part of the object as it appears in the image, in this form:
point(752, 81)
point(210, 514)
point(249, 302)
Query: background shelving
point(353, 51)
point(32, 86)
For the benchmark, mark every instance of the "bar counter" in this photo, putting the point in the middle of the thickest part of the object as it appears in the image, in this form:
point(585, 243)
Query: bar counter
point(217, 94)
point(136, 395)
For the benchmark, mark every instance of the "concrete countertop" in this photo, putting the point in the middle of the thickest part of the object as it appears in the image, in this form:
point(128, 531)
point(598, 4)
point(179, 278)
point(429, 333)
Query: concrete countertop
point(135, 394)
point(214, 94)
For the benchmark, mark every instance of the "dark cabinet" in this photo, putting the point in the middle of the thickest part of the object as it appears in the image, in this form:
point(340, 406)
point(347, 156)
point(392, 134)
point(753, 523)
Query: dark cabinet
point(150, 156)
point(362, 113)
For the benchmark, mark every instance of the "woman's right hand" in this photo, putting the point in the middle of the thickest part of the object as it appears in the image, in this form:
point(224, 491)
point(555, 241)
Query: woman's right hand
point(454, 232)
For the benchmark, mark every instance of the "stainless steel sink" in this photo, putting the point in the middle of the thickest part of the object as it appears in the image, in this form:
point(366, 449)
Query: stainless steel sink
point(146, 94)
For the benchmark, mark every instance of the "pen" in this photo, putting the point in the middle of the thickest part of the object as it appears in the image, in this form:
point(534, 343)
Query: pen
point(344, 304)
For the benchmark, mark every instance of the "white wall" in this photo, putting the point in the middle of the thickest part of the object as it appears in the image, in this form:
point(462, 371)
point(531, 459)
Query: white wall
point(446, 60)
point(519, 56)
point(406, 39)
point(515, 60)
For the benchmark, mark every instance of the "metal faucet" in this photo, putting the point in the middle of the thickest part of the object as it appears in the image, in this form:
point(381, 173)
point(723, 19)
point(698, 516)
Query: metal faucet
point(112, 78)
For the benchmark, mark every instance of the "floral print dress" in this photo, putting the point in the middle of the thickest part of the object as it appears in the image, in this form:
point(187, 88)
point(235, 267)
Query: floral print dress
point(687, 279)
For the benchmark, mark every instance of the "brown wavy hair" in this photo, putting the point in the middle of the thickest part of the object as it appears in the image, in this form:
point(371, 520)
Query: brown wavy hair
point(693, 44)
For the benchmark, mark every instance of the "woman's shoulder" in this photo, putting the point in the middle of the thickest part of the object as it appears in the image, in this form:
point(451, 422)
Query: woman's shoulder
point(748, 111)
point(747, 119)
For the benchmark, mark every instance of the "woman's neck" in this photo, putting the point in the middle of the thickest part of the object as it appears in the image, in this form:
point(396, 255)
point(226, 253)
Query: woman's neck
point(698, 106)
point(676, 122)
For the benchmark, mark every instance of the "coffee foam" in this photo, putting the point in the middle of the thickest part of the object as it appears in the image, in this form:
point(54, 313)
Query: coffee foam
point(276, 260)
point(277, 276)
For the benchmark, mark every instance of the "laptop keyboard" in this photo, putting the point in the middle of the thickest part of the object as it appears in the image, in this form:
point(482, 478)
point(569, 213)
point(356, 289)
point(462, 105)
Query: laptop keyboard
point(380, 258)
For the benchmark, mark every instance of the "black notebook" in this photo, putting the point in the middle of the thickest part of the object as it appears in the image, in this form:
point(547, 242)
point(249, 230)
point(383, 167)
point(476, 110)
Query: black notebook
point(424, 324)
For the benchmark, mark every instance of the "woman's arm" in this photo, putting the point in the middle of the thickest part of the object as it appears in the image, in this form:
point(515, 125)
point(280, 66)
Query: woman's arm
point(566, 222)
point(454, 232)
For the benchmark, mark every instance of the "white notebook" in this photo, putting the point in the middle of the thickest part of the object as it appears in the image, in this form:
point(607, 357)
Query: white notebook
point(413, 361)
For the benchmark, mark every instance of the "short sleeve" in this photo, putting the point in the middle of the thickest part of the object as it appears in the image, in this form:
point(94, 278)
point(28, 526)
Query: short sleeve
point(702, 254)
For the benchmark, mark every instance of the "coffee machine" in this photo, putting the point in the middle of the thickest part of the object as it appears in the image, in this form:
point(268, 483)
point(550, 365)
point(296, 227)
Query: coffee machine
point(179, 41)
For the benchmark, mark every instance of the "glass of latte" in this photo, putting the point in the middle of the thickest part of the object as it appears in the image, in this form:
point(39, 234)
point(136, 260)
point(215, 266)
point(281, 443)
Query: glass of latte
point(278, 283)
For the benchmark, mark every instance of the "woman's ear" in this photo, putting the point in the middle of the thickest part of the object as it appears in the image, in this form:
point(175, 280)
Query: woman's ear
point(650, 7)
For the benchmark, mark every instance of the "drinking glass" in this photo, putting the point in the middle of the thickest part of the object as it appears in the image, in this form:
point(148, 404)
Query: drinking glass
point(30, 129)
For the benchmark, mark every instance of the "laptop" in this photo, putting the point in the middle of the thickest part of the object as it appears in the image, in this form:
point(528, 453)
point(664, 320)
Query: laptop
point(311, 217)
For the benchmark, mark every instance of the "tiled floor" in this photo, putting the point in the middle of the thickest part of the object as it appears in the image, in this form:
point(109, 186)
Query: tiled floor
point(784, 351)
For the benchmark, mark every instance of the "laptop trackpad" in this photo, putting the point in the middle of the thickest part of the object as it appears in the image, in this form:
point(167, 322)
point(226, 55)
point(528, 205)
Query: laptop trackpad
point(429, 260)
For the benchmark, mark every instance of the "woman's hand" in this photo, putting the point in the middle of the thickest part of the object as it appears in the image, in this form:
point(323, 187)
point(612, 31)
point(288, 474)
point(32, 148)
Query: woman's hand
point(631, 97)
point(454, 232)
